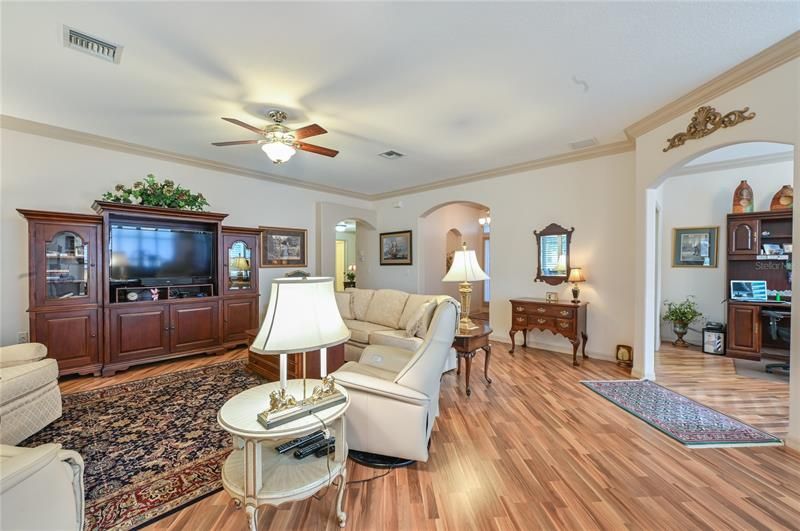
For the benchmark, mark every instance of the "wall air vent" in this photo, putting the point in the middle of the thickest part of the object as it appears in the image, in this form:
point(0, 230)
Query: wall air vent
point(84, 42)
point(391, 154)
point(589, 142)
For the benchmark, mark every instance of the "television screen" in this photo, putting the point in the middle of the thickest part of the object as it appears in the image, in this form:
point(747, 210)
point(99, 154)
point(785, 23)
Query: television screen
point(148, 252)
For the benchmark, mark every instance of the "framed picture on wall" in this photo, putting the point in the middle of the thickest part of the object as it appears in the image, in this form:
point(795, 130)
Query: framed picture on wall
point(695, 247)
point(395, 248)
point(282, 247)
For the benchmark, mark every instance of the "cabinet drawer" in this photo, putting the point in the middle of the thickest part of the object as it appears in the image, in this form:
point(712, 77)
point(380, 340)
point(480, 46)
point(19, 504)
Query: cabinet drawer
point(541, 322)
point(552, 311)
point(519, 319)
point(565, 326)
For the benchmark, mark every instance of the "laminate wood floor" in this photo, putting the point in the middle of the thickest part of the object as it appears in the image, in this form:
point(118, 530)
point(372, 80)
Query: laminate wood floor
point(537, 450)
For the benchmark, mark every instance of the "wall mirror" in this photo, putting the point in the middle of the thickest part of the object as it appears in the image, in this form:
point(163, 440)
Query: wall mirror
point(553, 253)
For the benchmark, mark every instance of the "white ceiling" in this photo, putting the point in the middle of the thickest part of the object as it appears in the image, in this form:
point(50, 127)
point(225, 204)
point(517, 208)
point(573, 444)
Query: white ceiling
point(458, 87)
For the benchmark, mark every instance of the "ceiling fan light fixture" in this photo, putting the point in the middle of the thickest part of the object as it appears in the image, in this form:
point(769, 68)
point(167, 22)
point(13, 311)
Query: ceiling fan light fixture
point(278, 152)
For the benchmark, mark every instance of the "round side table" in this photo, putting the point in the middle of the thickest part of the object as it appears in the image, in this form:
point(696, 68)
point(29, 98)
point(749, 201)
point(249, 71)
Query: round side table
point(256, 474)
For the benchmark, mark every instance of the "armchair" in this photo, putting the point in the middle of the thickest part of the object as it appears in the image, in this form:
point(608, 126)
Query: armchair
point(41, 488)
point(29, 395)
point(394, 393)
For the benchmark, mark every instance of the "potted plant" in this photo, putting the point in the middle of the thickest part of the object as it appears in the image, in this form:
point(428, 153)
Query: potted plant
point(681, 314)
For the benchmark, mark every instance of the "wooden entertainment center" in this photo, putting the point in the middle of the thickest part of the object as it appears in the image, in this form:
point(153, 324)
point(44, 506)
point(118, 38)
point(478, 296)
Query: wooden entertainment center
point(753, 326)
point(93, 323)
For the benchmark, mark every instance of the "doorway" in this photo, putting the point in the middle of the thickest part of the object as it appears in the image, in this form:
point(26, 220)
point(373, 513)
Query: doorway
point(341, 258)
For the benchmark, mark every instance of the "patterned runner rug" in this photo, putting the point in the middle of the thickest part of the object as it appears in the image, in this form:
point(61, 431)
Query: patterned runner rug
point(150, 446)
point(683, 419)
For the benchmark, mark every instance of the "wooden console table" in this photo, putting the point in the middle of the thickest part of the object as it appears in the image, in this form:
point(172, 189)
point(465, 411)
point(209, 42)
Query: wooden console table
point(563, 318)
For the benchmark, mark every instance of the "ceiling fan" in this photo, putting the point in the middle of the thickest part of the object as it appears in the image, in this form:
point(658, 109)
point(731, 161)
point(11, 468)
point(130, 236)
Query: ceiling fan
point(281, 142)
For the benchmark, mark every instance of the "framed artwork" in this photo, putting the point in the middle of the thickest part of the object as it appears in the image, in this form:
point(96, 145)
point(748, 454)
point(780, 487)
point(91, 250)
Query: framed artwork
point(551, 296)
point(395, 248)
point(695, 247)
point(282, 247)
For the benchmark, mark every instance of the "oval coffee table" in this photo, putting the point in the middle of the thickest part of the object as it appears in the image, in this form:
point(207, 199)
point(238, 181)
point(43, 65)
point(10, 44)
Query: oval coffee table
point(256, 474)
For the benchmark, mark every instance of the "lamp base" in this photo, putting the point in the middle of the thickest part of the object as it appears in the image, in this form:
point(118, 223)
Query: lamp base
point(576, 292)
point(466, 324)
point(273, 419)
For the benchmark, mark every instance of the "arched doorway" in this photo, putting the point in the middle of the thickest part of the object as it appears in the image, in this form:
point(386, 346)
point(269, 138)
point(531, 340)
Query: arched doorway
point(353, 237)
point(443, 229)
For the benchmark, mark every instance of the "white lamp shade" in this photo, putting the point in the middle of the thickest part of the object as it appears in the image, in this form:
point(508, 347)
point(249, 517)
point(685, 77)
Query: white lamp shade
point(278, 151)
point(465, 268)
point(302, 315)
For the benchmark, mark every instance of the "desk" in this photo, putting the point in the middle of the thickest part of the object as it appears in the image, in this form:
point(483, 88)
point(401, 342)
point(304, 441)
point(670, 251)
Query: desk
point(748, 330)
point(467, 343)
point(563, 318)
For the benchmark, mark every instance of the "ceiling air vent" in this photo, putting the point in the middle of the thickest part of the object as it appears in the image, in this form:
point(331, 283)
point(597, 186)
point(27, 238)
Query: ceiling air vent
point(391, 154)
point(84, 42)
point(589, 142)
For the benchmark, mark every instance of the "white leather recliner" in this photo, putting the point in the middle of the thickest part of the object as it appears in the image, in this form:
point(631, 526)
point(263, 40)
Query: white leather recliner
point(394, 393)
point(29, 394)
point(40, 488)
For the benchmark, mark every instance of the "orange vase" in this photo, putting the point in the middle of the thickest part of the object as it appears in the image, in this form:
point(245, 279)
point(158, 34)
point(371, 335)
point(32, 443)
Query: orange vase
point(783, 199)
point(743, 198)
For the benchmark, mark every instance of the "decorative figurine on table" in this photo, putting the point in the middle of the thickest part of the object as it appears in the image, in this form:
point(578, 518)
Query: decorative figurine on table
point(154, 293)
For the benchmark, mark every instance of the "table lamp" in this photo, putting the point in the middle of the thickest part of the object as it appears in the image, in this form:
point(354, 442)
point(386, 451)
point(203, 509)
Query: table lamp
point(575, 276)
point(240, 265)
point(465, 269)
point(302, 315)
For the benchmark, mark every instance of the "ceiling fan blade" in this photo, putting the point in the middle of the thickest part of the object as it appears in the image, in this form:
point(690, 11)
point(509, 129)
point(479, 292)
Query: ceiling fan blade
point(246, 126)
point(319, 150)
point(234, 143)
point(309, 130)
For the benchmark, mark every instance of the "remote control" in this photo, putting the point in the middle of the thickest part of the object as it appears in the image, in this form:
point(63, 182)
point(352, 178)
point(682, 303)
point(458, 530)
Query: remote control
point(300, 441)
point(325, 450)
point(312, 448)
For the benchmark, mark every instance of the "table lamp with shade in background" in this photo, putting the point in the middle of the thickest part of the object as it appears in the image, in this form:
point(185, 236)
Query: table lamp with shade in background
point(301, 316)
point(240, 265)
point(575, 276)
point(465, 269)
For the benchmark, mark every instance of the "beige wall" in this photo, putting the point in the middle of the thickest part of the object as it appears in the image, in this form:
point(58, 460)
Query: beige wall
point(46, 174)
point(594, 196)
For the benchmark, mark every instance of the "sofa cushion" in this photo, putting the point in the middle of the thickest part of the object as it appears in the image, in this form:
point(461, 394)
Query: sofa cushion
point(344, 301)
point(360, 330)
point(396, 339)
point(412, 305)
point(19, 380)
point(20, 354)
point(386, 307)
point(361, 298)
point(427, 317)
point(416, 321)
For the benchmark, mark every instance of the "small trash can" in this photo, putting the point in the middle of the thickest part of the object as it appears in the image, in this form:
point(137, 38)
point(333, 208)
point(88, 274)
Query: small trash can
point(714, 339)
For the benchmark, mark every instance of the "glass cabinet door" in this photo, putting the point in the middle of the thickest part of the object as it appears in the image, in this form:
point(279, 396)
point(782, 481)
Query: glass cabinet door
point(66, 266)
point(239, 267)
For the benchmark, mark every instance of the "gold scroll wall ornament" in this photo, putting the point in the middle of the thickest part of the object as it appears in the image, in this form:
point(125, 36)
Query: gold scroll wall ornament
point(705, 121)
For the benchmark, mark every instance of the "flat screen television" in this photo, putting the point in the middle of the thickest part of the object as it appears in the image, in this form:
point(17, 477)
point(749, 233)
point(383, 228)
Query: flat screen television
point(152, 254)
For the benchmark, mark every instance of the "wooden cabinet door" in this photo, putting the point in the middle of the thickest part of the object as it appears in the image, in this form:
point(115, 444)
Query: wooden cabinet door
point(64, 261)
point(239, 315)
point(743, 238)
point(744, 332)
point(139, 332)
point(193, 326)
point(71, 337)
point(239, 264)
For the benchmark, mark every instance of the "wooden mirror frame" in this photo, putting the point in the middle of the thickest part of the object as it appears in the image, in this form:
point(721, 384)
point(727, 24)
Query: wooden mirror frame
point(554, 229)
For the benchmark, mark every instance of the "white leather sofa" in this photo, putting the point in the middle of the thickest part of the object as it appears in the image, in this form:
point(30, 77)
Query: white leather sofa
point(394, 393)
point(387, 317)
point(41, 488)
point(29, 394)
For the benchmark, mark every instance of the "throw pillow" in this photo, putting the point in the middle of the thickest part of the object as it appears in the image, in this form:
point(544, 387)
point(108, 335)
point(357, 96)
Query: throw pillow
point(422, 331)
point(415, 321)
point(345, 303)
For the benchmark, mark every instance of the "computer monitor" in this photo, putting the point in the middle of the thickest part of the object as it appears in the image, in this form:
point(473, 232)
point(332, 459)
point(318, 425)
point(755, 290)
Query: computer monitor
point(749, 290)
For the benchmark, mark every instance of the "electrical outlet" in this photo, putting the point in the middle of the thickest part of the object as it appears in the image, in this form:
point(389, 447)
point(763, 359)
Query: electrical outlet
point(22, 337)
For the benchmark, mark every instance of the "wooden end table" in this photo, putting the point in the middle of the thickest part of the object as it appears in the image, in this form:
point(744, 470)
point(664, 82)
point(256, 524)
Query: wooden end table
point(467, 343)
point(256, 474)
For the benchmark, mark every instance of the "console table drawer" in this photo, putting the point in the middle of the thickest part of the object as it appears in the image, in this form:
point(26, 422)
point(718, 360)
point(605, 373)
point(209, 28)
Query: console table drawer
point(519, 319)
point(541, 322)
point(565, 326)
point(552, 311)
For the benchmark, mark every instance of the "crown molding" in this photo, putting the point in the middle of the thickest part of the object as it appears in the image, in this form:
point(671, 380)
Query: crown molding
point(743, 162)
point(776, 55)
point(79, 137)
point(602, 150)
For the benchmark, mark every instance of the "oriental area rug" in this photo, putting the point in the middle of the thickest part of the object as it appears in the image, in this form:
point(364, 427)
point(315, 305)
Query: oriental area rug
point(688, 422)
point(149, 446)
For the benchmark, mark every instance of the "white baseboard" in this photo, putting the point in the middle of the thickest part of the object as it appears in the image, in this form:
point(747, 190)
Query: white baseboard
point(562, 347)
